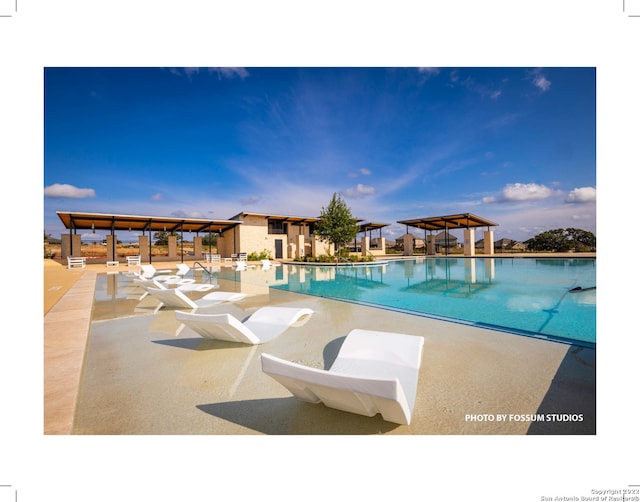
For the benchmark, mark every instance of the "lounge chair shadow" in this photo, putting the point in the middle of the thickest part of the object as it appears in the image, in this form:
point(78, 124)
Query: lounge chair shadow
point(290, 416)
point(198, 344)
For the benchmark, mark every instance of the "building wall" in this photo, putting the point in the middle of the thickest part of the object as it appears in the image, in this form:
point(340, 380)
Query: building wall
point(254, 236)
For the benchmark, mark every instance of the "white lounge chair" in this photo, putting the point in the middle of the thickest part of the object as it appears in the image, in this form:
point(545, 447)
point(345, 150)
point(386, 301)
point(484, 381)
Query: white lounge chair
point(374, 372)
point(263, 325)
point(177, 299)
point(267, 264)
point(181, 284)
point(242, 265)
point(183, 269)
point(149, 271)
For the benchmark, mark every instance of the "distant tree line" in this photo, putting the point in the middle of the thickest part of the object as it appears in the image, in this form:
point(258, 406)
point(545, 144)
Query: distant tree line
point(563, 240)
point(162, 238)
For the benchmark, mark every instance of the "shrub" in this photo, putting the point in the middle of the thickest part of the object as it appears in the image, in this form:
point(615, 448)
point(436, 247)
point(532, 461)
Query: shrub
point(263, 255)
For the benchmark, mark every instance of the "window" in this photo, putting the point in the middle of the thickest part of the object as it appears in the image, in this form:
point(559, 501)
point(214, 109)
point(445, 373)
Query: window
point(277, 227)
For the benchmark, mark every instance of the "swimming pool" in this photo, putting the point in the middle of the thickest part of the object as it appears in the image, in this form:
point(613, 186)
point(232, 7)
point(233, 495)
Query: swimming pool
point(527, 296)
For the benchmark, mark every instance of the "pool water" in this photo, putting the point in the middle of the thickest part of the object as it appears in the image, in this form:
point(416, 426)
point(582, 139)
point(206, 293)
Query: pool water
point(524, 296)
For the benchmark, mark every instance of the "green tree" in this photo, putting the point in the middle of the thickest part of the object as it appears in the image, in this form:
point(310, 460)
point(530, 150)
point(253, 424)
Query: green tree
point(336, 224)
point(563, 240)
point(162, 238)
point(210, 239)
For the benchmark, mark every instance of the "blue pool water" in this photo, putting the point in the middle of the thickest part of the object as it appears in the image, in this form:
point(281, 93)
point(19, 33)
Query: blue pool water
point(520, 295)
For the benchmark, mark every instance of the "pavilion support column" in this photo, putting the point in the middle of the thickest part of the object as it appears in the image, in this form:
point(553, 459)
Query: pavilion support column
point(488, 242)
point(143, 246)
point(222, 243)
point(197, 248)
point(431, 245)
point(407, 240)
point(112, 241)
point(173, 247)
point(71, 245)
point(469, 242)
point(364, 246)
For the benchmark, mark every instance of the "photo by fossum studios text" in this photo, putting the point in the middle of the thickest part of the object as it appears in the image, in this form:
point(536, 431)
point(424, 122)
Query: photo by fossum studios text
point(528, 417)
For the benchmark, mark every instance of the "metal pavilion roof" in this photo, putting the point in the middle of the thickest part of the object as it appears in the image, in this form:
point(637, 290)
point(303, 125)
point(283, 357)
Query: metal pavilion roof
point(453, 221)
point(128, 222)
point(365, 227)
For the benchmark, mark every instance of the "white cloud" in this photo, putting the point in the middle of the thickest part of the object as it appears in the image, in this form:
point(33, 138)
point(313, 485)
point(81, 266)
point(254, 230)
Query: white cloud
point(526, 191)
point(521, 192)
point(582, 195)
point(61, 190)
point(359, 191)
point(92, 237)
point(540, 81)
point(156, 196)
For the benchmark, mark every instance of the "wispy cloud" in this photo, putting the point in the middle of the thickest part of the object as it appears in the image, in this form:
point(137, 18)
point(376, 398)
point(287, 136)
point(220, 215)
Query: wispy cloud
point(250, 201)
point(487, 90)
point(231, 72)
point(64, 191)
point(361, 172)
point(222, 72)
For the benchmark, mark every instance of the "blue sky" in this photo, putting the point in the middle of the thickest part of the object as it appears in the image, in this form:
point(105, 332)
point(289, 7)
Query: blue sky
point(514, 145)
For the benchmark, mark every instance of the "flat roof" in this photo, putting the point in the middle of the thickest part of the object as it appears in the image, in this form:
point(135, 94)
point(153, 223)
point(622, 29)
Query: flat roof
point(365, 227)
point(299, 220)
point(463, 220)
point(129, 222)
point(289, 219)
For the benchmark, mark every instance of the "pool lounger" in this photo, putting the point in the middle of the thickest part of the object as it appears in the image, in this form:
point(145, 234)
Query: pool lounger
point(263, 325)
point(374, 372)
point(177, 299)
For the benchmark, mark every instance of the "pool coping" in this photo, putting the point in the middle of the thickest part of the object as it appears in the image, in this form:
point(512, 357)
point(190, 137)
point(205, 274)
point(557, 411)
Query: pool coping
point(66, 330)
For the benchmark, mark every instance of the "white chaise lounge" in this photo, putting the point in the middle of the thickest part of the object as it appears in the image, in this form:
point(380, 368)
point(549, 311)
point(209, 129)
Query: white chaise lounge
point(374, 372)
point(263, 325)
point(183, 269)
point(177, 299)
point(183, 285)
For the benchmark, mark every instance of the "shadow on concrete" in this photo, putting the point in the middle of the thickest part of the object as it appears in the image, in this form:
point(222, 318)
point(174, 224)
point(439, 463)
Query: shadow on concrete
point(571, 395)
point(200, 344)
point(289, 415)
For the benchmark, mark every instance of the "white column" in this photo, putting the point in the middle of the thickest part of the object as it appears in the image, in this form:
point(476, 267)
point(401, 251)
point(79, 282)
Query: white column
point(469, 242)
point(488, 242)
